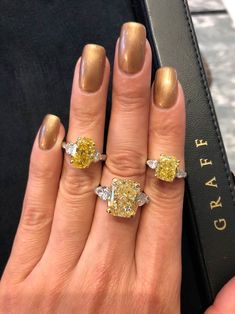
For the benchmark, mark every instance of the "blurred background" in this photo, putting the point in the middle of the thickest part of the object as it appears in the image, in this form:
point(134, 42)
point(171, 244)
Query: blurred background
point(214, 22)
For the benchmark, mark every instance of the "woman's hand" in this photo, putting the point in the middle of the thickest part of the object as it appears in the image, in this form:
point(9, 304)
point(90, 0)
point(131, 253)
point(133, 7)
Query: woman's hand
point(69, 255)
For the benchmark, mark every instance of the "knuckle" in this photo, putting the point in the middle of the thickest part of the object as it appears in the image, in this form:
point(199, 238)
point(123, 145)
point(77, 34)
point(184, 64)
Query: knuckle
point(126, 164)
point(86, 115)
point(41, 170)
point(35, 217)
point(16, 297)
point(165, 194)
point(129, 99)
point(98, 280)
point(102, 276)
point(166, 129)
point(75, 182)
point(158, 297)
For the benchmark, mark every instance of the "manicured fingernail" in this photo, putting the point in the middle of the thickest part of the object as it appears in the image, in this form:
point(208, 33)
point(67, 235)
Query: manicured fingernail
point(92, 68)
point(131, 52)
point(49, 131)
point(165, 87)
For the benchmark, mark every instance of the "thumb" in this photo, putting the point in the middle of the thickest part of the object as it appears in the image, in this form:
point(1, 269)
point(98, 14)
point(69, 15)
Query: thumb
point(225, 300)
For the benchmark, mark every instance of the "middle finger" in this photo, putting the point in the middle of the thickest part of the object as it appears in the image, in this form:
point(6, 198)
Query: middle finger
point(128, 132)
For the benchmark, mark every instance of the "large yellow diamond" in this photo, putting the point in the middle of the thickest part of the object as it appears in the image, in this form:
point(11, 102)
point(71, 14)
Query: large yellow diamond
point(166, 168)
point(85, 152)
point(122, 202)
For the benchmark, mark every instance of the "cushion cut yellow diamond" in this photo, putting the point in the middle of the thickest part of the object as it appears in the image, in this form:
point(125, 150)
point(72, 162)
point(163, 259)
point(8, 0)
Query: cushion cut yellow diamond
point(166, 168)
point(122, 202)
point(85, 152)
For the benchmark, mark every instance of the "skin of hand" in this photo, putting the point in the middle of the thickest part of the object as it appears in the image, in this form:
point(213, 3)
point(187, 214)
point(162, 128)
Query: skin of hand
point(69, 255)
point(225, 300)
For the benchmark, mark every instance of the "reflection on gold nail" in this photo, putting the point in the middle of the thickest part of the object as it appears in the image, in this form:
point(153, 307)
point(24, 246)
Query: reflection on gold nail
point(165, 87)
point(49, 131)
point(92, 68)
point(132, 47)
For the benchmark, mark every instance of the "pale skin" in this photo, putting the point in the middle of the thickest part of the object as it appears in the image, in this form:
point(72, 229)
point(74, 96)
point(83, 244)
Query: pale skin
point(69, 255)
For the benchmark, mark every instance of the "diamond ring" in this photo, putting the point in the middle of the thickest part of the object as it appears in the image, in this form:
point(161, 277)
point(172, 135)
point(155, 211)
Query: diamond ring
point(123, 196)
point(166, 168)
point(83, 152)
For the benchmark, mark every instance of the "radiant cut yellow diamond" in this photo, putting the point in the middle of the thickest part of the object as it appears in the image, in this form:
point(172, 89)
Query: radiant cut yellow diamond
point(85, 152)
point(122, 202)
point(166, 168)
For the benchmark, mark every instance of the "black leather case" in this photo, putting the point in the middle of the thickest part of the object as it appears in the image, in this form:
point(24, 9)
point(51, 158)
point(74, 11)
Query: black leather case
point(210, 195)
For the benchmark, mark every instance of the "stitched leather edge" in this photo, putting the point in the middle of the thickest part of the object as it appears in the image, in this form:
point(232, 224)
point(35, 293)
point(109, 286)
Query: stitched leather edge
point(207, 92)
point(213, 115)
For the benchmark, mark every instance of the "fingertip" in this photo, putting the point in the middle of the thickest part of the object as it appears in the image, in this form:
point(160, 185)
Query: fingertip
point(167, 90)
point(145, 69)
point(49, 136)
point(91, 73)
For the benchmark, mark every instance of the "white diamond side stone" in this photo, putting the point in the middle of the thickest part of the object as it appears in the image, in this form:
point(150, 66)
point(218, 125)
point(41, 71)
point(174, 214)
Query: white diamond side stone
point(103, 192)
point(142, 199)
point(181, 174)
point(97, 156)
point(152, 164)
point(71, 148)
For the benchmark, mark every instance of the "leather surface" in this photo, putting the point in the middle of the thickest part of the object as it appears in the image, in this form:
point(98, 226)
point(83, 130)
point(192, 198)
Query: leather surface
point(210, 197)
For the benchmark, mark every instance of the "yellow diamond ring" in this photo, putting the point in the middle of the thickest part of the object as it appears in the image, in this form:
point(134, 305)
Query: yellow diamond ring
point(83, 152)
point(166, 168)
point(123, 197)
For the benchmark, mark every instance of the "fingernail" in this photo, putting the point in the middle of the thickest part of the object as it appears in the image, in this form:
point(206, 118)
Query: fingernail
point(131, 52)
point(165, 87)
point(92, 68)
point(49, 131)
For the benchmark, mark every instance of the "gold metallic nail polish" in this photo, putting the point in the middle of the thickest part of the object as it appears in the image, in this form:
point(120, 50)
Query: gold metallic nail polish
point(49, 131)
point(131, 52)
point(92, 68)
point(165, 87)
